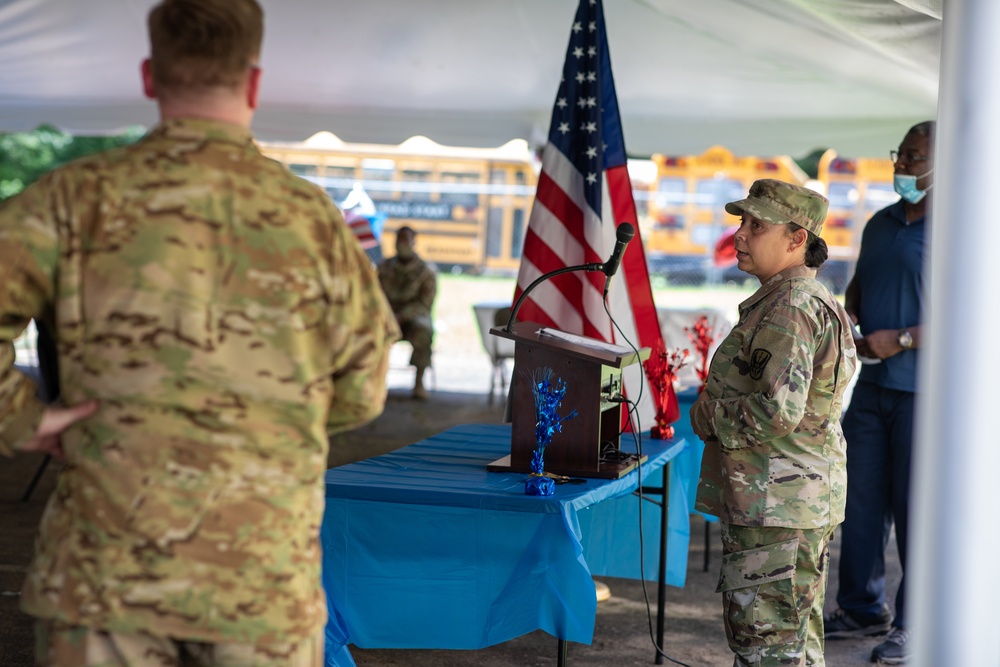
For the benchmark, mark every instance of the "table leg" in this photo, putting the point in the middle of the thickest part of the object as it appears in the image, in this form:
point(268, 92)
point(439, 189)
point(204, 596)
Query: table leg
point(563, 652)
point(34, 480)
point(661, 589)
point(661, 594)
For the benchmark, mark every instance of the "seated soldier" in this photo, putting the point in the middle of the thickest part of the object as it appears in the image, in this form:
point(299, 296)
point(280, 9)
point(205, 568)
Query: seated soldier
point(410, 284)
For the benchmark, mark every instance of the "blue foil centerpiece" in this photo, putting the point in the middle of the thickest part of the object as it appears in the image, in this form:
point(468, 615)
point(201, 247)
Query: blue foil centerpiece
point(548, 395)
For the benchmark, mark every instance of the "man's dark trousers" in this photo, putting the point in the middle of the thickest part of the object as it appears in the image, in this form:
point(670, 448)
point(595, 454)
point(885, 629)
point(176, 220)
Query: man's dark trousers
point(878, 427)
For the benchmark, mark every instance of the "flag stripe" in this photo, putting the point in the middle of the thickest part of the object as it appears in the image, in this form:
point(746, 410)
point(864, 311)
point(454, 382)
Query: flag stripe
point(542, 256)
point(562, 206)
point(634, 262)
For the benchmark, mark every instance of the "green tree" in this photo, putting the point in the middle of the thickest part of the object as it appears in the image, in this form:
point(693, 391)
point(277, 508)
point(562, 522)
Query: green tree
point(810, 162)
point(24, 156)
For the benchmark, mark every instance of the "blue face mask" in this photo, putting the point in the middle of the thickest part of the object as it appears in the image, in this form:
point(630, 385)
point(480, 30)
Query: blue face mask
point(906, 187)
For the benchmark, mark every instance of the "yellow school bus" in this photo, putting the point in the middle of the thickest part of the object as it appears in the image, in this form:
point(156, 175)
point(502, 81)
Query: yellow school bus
point(856, 188)
point(469, 206)
point(687, 214)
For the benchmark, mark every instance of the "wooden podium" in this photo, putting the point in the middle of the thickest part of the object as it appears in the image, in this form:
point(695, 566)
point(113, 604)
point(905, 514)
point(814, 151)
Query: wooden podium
point(588, 444)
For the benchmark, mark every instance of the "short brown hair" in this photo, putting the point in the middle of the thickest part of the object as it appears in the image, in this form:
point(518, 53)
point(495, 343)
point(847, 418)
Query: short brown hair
point(204, 43)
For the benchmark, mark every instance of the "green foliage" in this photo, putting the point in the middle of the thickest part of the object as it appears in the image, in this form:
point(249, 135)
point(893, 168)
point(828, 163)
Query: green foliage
point(24, 156)
point(810, 163)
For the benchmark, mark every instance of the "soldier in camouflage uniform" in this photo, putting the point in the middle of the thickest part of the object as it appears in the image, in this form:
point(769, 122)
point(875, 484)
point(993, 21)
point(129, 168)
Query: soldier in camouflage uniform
point(411, 285)
point(774, 468)
point(215, 321)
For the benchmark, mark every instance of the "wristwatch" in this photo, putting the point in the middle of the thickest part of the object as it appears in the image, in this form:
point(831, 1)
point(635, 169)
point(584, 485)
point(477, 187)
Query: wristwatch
point(905, 340)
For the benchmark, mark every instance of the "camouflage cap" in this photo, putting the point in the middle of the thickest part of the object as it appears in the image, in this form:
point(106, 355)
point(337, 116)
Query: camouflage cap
point(778, 202)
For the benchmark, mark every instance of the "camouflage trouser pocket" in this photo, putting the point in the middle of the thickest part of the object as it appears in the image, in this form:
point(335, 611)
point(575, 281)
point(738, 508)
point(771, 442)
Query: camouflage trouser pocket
point(758, 595)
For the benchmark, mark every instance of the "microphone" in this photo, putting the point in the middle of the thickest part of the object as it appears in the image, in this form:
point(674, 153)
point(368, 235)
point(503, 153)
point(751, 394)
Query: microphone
point(625, 233)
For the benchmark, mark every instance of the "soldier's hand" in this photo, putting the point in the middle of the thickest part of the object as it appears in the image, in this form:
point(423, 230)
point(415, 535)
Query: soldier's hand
point(55, 420)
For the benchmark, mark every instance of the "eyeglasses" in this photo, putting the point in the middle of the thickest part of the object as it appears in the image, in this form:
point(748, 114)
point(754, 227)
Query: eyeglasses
point(910, 158)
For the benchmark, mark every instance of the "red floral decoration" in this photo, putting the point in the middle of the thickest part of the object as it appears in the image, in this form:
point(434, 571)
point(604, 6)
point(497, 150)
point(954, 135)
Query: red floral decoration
point(661, 370)
point(702, 335)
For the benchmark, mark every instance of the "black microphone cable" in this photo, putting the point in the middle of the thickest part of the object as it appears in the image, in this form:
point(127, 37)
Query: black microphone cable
point(641, 372)
point(633, 406)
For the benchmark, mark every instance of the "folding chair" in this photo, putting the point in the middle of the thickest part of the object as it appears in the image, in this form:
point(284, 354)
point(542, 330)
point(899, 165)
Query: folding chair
point(490, 315)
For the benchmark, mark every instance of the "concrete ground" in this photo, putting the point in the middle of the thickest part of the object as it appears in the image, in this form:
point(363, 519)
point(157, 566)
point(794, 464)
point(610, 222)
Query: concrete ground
point(622, 636)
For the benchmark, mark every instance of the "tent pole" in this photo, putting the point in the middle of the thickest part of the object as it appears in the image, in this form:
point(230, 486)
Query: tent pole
point(952, 585)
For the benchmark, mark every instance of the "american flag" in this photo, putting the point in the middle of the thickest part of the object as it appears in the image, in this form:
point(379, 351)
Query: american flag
point(584, 187)
point(364, 232)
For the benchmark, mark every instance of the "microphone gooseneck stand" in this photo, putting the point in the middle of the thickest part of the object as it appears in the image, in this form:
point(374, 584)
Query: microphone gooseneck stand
point(624, 234)
point(594, 266)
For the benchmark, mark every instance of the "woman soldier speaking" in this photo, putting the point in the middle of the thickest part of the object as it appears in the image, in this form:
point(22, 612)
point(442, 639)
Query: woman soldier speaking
point(774, 467)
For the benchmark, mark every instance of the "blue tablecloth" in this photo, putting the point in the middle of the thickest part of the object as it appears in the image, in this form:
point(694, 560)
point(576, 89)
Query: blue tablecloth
point(423, 548)
point(683, 431)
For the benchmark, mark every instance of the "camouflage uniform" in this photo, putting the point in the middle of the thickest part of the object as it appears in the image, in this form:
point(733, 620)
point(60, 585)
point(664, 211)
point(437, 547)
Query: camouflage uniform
point(80, 646)
point(411, 287)
point(774, 466)
point(227, 320)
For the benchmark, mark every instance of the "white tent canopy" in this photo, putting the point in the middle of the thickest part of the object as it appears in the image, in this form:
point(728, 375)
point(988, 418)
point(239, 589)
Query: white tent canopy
point(758, 76)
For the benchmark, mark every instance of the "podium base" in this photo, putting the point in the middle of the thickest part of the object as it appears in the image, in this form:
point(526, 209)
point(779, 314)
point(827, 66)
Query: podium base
point(607, 470)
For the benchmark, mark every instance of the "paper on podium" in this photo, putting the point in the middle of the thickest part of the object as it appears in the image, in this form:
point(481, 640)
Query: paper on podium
point(592, 343)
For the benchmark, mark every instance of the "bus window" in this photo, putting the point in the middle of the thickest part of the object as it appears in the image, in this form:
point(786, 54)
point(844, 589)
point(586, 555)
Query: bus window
point(339, 182)
point(418, 185)
point(494, 232)
point(378, 170)
point(517, 234)
point(304, 170)
point(377, 180)
point(460, 188)
point(842, 195)
point(671, 192)
point(671, 196)
point(718, 191)
point(879, 196)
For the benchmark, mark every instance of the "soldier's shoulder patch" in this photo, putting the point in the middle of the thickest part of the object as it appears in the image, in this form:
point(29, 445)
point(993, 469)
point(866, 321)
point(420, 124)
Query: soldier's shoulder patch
point(758, 362)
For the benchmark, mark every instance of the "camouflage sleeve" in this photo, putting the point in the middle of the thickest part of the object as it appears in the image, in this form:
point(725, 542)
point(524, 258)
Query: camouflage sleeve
point(428, 290)
point(780, 366)
point(699, 414)
point(28, 255)
point(363, 330)
point(418, 302)
point(383, 271)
